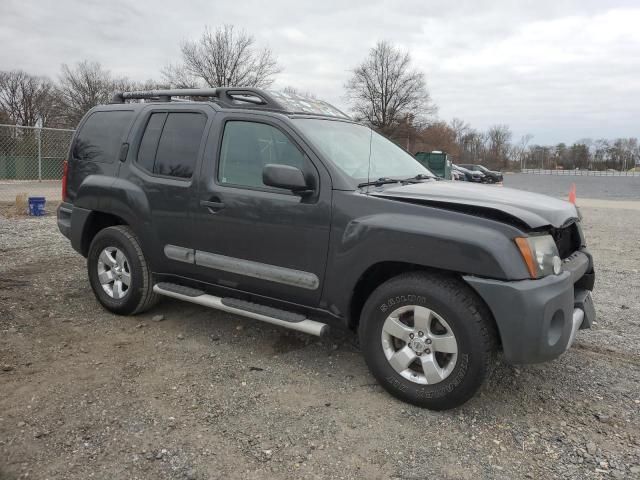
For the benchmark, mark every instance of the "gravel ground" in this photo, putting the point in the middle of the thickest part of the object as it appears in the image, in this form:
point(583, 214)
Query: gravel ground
point(184, 392)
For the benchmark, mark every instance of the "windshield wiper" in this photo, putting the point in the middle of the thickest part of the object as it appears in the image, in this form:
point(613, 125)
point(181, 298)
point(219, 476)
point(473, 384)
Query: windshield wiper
point(380, 181)
point(417, 178)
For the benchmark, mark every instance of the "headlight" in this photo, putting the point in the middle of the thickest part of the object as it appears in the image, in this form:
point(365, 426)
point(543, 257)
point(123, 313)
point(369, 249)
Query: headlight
point(540, 254)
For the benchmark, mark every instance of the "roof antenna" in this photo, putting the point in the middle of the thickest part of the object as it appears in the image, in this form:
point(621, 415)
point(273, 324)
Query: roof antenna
point(369, 167)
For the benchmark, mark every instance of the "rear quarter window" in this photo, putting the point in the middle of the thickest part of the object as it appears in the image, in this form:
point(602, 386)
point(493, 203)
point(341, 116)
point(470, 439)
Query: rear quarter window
point(101, 136)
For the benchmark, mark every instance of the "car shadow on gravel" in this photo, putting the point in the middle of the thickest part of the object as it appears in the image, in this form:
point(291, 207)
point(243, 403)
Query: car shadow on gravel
point(508, 387)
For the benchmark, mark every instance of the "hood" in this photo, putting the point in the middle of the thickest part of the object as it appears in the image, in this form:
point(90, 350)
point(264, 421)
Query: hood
point(533, 209)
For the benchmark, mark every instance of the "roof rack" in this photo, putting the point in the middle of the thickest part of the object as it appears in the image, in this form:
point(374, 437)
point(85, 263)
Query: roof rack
point(232, 97)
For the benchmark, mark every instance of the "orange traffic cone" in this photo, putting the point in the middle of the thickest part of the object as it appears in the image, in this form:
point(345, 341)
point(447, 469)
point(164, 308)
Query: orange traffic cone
point(572, 193)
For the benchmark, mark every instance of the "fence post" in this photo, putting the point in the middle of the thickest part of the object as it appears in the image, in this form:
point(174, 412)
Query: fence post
point(39, 131)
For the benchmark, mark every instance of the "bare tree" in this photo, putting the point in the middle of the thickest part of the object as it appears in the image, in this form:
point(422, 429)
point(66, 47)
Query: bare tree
point(540, 156)
point(579, 156)
point(178, 76)
point(438, 136)
point(600, 153)
point(519, 150)
point(125, 84)
point(83, 87)
point(224, 57)
point(385, 88)
point(471, 147)
point(26, 99)
point(623, 153)
point(498, 146)
point(460, 128)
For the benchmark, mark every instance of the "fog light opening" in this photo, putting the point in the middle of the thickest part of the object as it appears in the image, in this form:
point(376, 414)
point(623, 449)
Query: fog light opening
point(556, 326)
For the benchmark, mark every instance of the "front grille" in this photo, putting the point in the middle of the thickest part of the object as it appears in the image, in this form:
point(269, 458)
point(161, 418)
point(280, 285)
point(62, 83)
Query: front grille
point(567, 239)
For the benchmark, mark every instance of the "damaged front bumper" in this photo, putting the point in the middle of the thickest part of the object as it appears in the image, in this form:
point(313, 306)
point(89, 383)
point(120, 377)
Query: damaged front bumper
point(538, 319)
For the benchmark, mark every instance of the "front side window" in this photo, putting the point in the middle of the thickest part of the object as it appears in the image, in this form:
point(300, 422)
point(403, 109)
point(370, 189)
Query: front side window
point(248, 146)
point(359, 151)
point(171, 142)
point(101, 136)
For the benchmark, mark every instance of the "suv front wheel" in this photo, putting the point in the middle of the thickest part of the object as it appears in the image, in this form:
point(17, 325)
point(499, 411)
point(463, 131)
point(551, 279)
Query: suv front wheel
point(118, 272)
point(427, 339)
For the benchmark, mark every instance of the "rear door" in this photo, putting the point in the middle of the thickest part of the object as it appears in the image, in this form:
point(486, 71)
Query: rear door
point(165, 153)
point(256, 238)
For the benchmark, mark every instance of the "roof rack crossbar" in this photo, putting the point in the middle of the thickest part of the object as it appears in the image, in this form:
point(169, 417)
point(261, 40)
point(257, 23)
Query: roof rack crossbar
point(165, 95)
point(228, 96)
point(236, 97)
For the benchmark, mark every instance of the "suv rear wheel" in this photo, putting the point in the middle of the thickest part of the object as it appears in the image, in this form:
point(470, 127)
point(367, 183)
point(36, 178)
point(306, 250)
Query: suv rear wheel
point(427, 339)
point(118, 272)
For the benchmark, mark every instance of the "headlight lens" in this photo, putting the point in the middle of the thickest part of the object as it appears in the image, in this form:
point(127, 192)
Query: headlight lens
point(540, 254)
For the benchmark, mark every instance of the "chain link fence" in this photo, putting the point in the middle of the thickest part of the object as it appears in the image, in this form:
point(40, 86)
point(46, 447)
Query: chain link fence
point(31, 161)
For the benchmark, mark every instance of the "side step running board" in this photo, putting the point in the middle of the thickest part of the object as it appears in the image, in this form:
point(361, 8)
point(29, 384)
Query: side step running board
point(256, 311)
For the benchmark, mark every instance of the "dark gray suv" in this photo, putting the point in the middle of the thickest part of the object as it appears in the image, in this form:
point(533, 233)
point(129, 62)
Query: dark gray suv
point(282, 209)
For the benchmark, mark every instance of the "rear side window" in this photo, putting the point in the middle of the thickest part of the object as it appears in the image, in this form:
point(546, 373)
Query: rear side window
point(101, 136)
point(171, 142)
point(149, 143)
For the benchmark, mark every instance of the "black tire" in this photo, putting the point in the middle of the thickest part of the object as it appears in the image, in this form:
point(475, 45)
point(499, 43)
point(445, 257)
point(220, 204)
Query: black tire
point(466, 315)
point(139, 296)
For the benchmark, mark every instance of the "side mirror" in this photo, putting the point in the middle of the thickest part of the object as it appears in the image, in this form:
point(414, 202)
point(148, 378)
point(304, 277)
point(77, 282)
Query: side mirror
point(284, 176)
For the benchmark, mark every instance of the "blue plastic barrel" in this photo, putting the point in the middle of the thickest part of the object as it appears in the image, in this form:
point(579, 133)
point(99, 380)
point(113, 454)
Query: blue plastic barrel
point(36, 206)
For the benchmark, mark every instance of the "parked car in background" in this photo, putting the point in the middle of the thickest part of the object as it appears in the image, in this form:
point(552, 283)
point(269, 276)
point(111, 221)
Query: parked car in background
point(491, 176)
point(470, 175)
point(457, 175)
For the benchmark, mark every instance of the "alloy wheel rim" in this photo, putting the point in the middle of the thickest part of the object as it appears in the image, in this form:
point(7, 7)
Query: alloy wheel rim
point(419, 344)
point(114, 273)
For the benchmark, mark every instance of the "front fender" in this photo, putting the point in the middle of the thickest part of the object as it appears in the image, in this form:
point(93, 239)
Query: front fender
point(417, 235)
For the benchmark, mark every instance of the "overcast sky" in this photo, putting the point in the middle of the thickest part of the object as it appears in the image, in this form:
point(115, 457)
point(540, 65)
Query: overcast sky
point(560, 70)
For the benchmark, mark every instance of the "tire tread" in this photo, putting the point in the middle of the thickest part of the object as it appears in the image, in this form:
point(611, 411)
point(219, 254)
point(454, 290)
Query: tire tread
point(454, 291)
point(148, 298)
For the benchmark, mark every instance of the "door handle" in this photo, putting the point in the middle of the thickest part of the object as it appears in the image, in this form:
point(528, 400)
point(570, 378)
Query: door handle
point(212, 205)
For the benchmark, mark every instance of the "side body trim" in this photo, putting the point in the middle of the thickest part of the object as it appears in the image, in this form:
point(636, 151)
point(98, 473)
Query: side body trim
point(249, 268)
point(180, 254)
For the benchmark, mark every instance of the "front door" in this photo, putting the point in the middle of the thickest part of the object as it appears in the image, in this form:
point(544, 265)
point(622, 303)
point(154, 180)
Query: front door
point(256, 238)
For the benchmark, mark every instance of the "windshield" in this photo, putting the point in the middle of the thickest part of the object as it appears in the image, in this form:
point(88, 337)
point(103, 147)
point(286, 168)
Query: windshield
point(481, 168)
point(349, 146)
